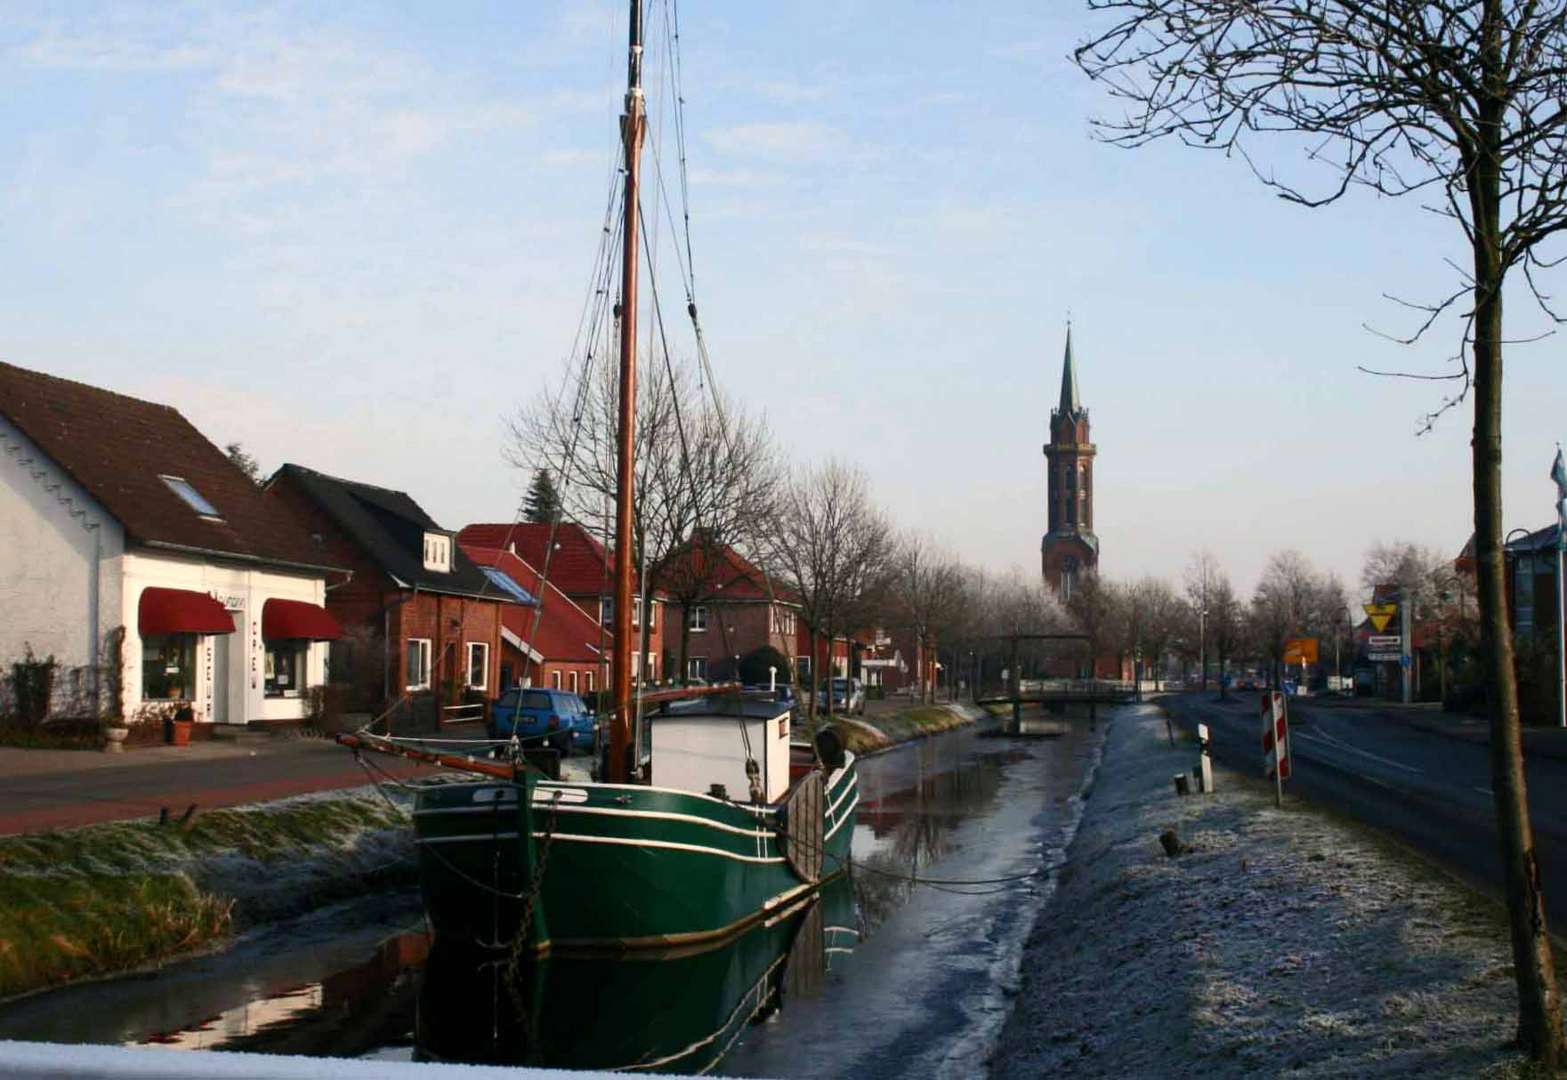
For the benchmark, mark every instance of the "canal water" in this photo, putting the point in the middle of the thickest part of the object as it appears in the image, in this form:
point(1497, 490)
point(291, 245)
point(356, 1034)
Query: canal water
point(905, 968)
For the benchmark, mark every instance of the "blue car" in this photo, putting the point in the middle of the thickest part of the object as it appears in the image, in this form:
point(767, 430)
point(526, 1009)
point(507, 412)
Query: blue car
point(556, 718)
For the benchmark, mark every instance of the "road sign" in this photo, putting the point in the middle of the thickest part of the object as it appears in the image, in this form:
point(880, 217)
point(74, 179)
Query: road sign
point(1275, 738)
point(1300, 651)
point(1380, 615)
point(1385, 657)
point(1385, 641)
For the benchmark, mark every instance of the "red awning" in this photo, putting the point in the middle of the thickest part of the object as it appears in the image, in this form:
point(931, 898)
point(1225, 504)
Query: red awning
point(181, 611)
point(296, 619)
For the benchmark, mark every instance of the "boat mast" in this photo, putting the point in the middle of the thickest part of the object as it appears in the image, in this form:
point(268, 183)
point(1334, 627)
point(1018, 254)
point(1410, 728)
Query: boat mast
point(632, 123)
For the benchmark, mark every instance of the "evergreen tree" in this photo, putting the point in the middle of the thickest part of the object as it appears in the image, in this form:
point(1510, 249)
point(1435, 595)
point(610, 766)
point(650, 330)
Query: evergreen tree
point(244, 461)
point(543, 502)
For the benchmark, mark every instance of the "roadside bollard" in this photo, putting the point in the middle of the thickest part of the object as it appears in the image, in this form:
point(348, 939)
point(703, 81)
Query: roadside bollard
point(1183, 785)
point(1204, 768)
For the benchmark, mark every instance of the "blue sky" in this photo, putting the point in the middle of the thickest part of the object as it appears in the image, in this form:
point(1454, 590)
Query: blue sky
point(356, 235)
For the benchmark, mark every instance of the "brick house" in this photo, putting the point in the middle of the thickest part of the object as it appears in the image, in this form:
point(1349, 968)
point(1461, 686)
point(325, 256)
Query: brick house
point(546, 639)
point(727, 611)
point(151, 568)
point(422, 623)
point(581, 568)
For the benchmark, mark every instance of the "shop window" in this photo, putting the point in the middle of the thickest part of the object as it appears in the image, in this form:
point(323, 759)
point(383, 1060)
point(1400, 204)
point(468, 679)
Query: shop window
point(698, 617)
point(168, 667)
point(478, 665)
point(417, 671)
point(285, 670)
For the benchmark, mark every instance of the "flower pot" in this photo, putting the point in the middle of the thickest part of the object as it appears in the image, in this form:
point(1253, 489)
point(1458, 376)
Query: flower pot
point(114, 738)
point(177, 732)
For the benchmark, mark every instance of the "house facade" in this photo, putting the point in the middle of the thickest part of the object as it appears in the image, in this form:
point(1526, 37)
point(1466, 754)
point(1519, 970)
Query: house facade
point(576, 563)
point(547, 640)
point(151, 569)
point(725, 611)
point(421, 622)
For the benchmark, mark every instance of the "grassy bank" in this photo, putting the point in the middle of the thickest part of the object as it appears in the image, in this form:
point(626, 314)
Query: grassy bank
point(107, 898)
point(864, 736)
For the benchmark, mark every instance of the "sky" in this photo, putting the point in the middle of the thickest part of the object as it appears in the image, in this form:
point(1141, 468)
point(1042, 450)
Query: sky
point(357, 236)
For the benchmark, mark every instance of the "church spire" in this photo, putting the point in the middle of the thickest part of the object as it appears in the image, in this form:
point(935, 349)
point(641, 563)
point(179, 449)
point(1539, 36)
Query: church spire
point(1070, 405)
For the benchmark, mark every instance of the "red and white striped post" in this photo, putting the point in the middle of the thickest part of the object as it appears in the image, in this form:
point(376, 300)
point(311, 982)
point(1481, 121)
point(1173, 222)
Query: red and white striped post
point(1276, 741)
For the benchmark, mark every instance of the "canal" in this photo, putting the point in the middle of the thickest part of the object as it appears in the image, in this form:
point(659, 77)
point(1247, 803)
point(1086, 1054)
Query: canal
point(902, 969)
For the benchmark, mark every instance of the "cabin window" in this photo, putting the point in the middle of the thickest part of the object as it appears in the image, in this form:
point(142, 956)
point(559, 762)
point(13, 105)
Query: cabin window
point(168, 667)
point(698, 618)
point(417, 671)
point(478, 665)
point(285, 668)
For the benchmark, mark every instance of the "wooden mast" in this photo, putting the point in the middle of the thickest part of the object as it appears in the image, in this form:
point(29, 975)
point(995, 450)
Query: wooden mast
point(621, 761)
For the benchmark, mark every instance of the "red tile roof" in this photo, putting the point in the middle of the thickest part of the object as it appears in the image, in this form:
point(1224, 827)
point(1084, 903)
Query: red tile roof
point(118, 449)
point(732, 576)
point(580, 566)
point(565, 631)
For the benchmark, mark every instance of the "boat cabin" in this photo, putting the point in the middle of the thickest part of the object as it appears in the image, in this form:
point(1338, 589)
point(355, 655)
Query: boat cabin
point(700, 744)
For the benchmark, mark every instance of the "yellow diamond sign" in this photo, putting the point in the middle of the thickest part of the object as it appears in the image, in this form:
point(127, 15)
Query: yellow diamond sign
point(1380, 614)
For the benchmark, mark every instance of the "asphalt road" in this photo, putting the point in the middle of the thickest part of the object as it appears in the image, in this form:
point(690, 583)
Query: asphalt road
point(1429, 790)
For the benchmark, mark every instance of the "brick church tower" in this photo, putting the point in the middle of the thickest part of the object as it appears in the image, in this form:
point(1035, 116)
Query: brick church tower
point(1070, 547)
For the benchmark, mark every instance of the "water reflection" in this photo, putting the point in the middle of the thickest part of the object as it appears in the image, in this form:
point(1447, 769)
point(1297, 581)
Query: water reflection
point(908, 815)
point(676, 1011)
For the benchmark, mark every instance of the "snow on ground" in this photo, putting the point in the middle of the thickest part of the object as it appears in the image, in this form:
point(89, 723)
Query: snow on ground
point(1285, 942)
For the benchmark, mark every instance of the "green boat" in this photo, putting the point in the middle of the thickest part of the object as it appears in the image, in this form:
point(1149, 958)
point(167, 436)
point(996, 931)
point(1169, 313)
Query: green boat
point(596, 866)
point(672, 1010)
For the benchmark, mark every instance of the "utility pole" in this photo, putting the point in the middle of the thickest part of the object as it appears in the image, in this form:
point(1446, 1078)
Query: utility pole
point(1406, 645)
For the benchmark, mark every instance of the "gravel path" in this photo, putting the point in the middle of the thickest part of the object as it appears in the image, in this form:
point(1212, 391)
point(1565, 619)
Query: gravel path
point(1284, 942)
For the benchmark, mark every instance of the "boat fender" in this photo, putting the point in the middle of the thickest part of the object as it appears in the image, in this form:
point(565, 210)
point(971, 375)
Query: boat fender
point(829, 748)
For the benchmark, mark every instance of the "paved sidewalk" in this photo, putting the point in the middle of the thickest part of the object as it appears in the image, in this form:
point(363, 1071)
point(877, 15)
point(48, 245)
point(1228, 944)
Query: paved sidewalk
point(52, 789)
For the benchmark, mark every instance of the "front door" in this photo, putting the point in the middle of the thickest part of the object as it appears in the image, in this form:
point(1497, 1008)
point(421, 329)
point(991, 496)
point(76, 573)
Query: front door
point(220, 678)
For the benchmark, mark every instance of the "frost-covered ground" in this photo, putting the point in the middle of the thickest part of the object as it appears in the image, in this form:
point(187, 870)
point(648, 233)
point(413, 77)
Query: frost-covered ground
point(1285, 942)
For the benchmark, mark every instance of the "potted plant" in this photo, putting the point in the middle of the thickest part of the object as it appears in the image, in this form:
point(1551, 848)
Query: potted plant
point(177, 724)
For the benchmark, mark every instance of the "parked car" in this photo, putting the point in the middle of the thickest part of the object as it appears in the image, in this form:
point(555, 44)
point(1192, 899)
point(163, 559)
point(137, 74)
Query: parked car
point(848, 696)
point(556, 718)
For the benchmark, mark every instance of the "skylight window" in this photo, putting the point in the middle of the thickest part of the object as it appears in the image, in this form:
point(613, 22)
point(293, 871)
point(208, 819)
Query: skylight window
point(191, 497)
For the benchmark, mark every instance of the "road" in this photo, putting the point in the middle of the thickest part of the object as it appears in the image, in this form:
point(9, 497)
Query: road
point(1427, 789)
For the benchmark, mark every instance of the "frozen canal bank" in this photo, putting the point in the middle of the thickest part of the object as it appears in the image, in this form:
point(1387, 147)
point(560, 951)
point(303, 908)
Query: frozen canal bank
point(1283, 943)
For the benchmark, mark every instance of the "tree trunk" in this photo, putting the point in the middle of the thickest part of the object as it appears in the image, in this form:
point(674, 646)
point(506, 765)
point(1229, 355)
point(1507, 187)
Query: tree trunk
point(1539, 1005)
point(815, 684)
point(684, 674)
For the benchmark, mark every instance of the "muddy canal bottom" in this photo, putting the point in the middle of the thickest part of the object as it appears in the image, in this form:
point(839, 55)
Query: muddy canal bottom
point(894, 970)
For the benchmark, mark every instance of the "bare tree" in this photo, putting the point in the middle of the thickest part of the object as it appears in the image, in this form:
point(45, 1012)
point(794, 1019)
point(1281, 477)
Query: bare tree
point(927, 587)
point(1157, 621)
point(1202, 573)
point(1292, 600)
point(706, 475)
point(1096, 607)
point(1460, 100)
point(1226, 626)
point(832, 548)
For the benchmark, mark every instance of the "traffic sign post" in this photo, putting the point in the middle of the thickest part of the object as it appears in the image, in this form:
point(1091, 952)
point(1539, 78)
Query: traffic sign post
point(1276, 741)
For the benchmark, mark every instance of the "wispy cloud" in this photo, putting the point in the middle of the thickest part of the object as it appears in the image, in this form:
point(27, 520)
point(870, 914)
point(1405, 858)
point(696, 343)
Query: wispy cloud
point(781, 141)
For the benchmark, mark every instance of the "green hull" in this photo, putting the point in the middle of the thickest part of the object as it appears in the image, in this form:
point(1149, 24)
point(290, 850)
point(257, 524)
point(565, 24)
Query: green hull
point(607, 866)
point(675, 1011)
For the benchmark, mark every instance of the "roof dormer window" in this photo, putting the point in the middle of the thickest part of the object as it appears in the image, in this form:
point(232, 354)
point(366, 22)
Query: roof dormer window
point(191, 497)
point(438, 552)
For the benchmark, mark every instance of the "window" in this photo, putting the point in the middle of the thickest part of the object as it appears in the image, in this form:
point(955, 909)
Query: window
point(478, 665)
point(438, 552)
point(285, 671)
point(698, 617)
point(636, 612)
point(537, 699)
point(804, 664)
point(606, 610)
point(192, 497)
point(573, 682)
point(783, 621)
point(168, 667)
point(554, 680)
point(696, 667)
point(417, 672)
point(588, 675)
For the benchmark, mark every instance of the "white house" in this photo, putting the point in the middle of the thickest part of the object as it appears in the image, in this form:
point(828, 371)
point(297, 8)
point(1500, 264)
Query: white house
point(134, 552)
